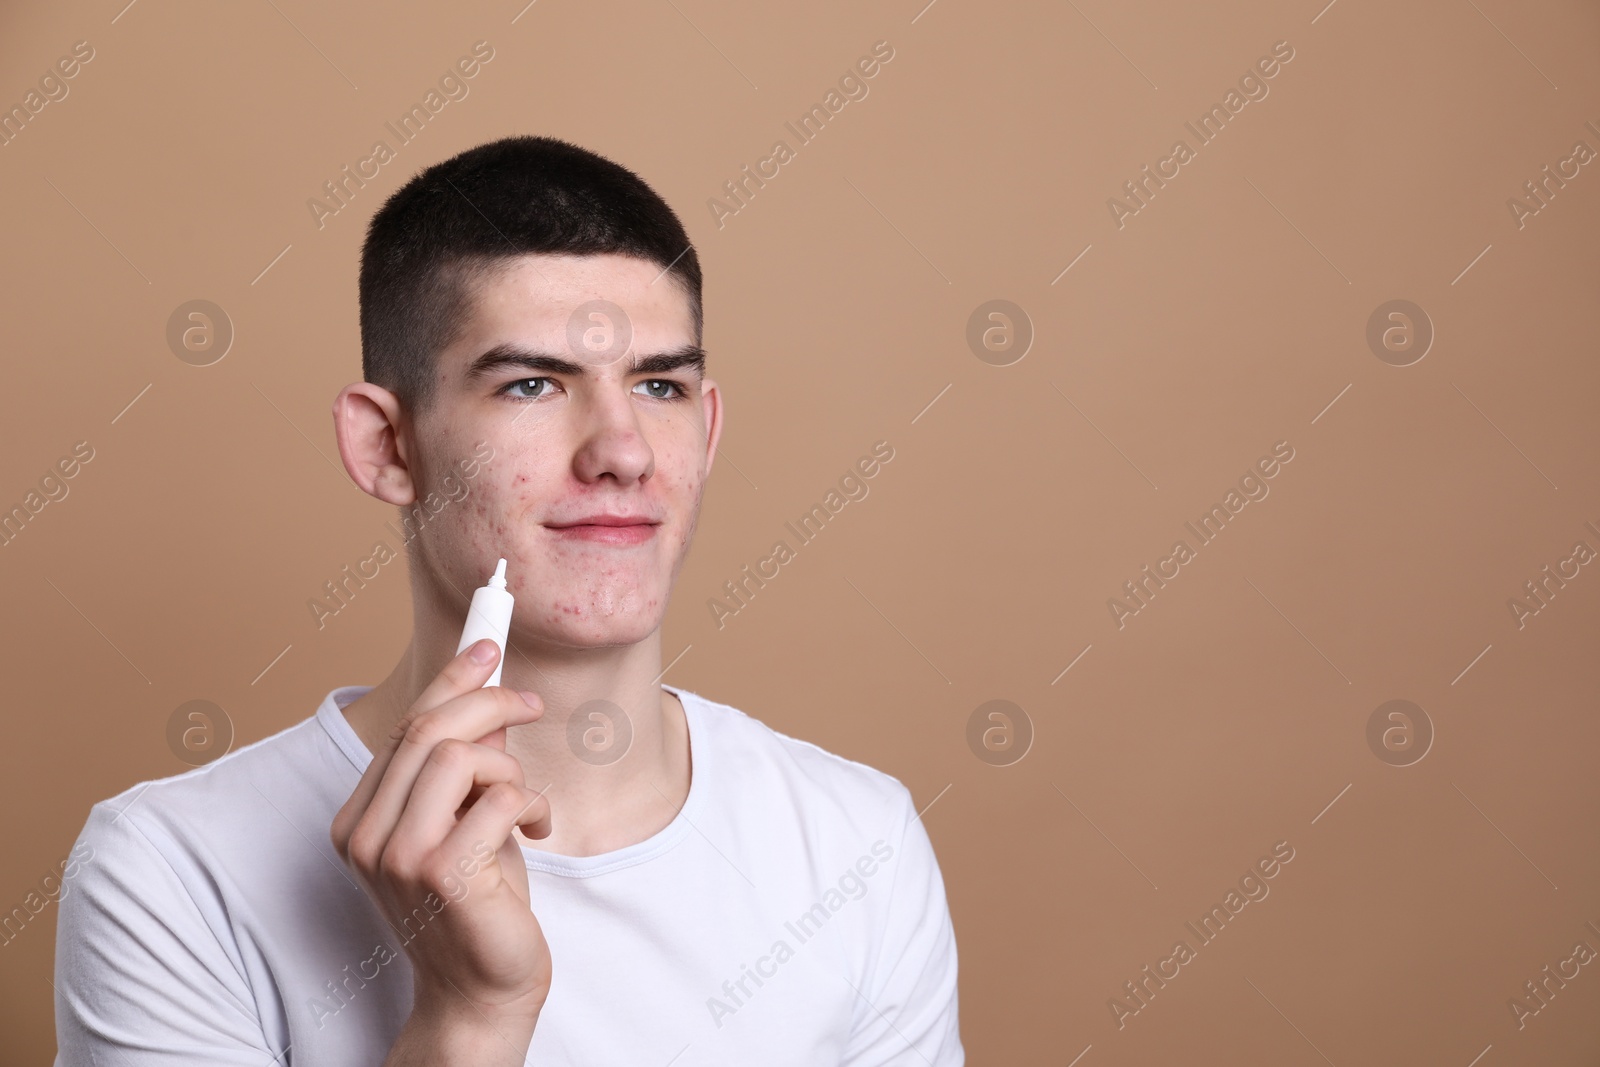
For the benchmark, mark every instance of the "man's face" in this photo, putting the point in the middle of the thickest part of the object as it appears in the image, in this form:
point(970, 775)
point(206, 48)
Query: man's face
point(554, 371)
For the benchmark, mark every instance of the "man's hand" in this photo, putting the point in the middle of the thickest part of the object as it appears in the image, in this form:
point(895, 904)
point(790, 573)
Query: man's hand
point(428, 831)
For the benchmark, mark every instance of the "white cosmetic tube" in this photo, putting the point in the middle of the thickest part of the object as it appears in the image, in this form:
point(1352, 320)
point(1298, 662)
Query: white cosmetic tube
point(490, 616)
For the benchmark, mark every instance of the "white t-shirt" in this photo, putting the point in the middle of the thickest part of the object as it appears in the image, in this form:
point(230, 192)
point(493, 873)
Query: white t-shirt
point(791, 913)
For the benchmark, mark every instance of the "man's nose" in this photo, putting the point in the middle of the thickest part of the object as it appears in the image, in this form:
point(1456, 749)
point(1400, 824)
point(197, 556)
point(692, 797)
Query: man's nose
point(612, 441)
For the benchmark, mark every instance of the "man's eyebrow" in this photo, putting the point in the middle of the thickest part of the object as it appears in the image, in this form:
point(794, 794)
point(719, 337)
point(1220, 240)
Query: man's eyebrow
point(508, 355)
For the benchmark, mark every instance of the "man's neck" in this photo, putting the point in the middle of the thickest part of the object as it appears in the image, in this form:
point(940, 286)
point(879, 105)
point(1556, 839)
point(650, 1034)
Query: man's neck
point(597, 703)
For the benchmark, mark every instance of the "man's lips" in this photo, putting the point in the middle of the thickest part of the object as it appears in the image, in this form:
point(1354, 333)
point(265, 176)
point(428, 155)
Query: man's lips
point(607, 529)
point(606, 520)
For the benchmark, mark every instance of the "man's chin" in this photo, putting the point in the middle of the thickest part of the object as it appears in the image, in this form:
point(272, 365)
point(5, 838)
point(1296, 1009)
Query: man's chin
point(599, 632)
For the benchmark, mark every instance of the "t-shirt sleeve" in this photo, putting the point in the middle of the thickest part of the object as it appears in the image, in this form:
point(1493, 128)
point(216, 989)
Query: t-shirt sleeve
point(142, 978)
point(906, 1009)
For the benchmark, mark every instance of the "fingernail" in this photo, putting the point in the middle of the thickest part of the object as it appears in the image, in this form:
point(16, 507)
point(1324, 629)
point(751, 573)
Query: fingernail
point(483, 651)
point(532, 699)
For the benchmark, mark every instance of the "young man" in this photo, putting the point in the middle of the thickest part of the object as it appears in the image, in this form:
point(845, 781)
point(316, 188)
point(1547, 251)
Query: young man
point(579, 865)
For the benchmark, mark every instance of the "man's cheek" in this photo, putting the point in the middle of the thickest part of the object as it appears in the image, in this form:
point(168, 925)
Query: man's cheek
point(476, 527)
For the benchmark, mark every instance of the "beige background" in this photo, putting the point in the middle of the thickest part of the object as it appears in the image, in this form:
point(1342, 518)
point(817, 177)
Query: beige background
point(1229, 314)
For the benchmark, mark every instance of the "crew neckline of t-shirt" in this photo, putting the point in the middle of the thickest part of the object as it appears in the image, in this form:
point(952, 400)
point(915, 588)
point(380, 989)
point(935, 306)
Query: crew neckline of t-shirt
point(330, 716)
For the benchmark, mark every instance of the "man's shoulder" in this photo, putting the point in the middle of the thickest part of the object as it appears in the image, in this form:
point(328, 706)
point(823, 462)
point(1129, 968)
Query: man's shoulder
point(761, 757)
point(277, 778)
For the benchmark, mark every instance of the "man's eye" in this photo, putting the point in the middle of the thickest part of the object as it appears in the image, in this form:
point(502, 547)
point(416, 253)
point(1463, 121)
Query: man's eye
point(652, 384)
point(512, 389)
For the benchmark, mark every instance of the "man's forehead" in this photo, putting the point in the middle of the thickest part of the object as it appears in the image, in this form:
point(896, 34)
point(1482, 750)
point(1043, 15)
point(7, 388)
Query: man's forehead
point(551, 288)
point(574, 275)
point(559, 314)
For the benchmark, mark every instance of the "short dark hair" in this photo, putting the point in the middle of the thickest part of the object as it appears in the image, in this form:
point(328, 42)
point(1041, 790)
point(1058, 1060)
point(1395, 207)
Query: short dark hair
point(454, 224)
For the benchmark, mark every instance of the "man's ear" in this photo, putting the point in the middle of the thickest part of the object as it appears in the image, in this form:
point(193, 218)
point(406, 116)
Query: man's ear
point(711, 410)
point(369, 422)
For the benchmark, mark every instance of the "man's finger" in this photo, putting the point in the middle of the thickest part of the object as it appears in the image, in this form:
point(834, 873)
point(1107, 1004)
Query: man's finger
point(462, 674)
point(491, 818)
point(465, 675)
point(465, 718)
point(452, 772)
